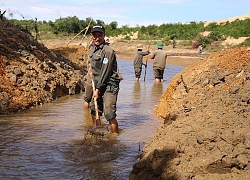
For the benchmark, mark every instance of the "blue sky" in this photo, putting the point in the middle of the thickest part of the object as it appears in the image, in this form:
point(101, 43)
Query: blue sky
point(128, 12)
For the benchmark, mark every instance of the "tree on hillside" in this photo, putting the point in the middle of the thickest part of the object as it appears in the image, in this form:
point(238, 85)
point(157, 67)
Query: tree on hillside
point(113, 25)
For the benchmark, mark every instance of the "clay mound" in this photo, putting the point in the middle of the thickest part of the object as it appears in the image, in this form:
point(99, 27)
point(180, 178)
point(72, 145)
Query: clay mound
point(217, 71)
point(206, 131)
point(31, 74)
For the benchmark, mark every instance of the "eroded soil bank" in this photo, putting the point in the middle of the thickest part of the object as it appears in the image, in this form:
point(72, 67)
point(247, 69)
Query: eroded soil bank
point(31, 74)
point(206, 131)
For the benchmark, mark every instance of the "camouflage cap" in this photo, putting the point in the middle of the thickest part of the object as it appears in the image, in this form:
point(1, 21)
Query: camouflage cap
point(98, 28)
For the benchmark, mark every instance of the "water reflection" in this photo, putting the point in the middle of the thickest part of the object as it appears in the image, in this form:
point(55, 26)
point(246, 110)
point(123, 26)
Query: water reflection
point(157, 91)
point(137, 90)
point(137, 94)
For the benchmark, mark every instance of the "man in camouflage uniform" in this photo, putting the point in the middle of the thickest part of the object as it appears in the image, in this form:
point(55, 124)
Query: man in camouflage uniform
point(88, 93)
point(105, 76)
point(138, 61)
point(159, 56)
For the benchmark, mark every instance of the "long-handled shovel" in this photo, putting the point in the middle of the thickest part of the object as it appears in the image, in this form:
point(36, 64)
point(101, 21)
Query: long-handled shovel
point(97, 122)
point(98, 130)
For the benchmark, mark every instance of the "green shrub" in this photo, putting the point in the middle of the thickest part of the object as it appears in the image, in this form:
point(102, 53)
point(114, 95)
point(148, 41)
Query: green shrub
point(166, 40)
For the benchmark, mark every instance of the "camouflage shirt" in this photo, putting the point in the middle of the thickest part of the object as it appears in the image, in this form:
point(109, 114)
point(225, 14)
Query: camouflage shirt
point(138, 58)
point(159, 57)
point(103, 66)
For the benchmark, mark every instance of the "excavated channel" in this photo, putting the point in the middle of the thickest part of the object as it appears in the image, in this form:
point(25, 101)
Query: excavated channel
point(49, 142)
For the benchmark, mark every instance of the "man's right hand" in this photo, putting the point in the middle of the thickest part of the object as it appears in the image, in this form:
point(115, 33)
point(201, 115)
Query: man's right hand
point(96, 94)
point(90, 74)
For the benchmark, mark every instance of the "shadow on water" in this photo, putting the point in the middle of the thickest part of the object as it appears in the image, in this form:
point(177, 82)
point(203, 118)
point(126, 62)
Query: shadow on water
point(48, 142)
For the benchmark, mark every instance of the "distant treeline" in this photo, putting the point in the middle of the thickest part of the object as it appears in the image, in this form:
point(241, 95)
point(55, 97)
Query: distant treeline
point(191, 32)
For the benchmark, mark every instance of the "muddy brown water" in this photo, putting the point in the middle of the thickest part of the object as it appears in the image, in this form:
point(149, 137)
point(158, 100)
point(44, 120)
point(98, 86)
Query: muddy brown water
point(48, 142)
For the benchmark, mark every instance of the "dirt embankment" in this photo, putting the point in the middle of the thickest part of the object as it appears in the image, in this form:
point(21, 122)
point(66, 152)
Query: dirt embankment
point(206, 131)
point(31, 74)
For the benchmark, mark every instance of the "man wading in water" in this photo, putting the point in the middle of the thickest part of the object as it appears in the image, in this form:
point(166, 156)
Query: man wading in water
point(159, 56)
point(138, 61)
point(105, 76)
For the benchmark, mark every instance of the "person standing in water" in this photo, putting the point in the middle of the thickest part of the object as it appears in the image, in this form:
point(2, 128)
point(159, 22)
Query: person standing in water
point(104, 68)
point(159, 56)
point(138, 61)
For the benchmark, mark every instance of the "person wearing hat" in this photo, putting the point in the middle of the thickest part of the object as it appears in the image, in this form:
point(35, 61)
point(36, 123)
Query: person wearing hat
point(88, 92)
point(104, 70)
point(159, 56)
point(138, 61)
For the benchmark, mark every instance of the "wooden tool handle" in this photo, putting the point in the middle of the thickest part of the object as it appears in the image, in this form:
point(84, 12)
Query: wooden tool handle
point(98, 122)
